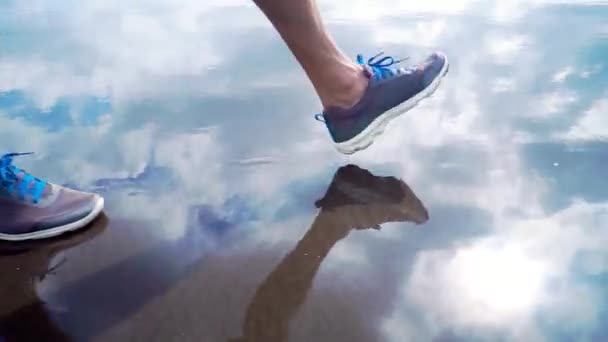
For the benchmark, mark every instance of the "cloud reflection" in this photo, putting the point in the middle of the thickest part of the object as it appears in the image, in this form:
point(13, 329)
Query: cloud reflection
point(187, 121)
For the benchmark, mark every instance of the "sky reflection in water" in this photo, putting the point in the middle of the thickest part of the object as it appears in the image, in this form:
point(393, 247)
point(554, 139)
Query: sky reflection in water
point(196, 123)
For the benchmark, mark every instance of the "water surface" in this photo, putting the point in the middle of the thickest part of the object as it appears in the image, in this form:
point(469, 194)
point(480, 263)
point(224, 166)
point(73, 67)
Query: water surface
point(195, 123)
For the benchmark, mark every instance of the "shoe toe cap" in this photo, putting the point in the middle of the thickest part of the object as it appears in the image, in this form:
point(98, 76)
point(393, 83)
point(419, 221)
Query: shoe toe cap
point(70, 206)
point(434, 67)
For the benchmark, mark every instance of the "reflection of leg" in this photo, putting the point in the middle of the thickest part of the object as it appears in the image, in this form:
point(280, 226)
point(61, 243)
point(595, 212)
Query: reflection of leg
point(338, 81)
point(23, 316)
point(31, 323)
point(277, 300)
point(355, 199)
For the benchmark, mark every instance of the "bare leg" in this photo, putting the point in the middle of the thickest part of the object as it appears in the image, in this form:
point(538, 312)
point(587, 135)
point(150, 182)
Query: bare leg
point(338, 81)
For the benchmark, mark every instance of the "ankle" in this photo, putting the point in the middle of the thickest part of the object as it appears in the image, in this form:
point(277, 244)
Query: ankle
point(345, 89)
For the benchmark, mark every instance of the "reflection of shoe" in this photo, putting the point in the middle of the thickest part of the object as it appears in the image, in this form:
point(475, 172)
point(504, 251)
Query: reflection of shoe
point(22, 265)
point(390, 93)
point(367, 201)
point(31, 208)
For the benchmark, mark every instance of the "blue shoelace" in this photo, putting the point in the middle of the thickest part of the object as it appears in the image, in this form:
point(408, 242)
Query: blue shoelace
point(9, 178)
point(381, 68)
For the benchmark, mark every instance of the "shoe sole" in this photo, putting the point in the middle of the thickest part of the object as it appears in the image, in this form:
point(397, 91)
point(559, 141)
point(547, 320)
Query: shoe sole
point(364, 139)
point(49, 233)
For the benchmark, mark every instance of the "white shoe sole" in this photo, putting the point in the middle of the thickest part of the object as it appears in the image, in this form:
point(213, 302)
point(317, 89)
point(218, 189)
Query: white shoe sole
point(48, 233)
point(364, 139)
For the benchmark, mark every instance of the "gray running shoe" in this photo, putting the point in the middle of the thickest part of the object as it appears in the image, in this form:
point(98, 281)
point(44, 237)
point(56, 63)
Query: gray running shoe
point(390, 93)
point(31, 208)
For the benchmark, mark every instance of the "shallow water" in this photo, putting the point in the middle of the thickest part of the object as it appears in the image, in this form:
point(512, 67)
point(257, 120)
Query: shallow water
point(195, 123)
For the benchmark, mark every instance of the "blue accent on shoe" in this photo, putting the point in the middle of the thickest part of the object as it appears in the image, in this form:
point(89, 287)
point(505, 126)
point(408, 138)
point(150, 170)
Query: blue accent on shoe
point(320, 117)
point(8, 179)
point(381, 68)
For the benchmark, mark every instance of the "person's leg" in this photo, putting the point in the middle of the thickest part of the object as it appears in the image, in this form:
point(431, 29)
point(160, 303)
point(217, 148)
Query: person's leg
point(359, 99)
point(338, 81)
